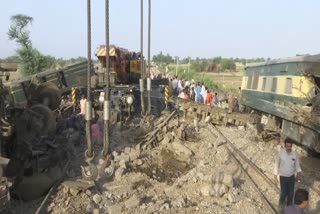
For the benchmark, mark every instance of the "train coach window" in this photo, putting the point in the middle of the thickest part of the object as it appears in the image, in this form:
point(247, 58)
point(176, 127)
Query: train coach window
point(284, 68)
point(255, 80)
point(288, 88)
point(249, 83)
point(274, 85)
point(264, 82)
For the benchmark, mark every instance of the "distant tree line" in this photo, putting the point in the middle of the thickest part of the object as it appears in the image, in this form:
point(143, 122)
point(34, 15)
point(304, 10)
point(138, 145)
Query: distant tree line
point(216, 64)
point(162, 59)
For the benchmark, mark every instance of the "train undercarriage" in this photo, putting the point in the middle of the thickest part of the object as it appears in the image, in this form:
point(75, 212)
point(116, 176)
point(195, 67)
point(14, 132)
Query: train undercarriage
point(268, 126)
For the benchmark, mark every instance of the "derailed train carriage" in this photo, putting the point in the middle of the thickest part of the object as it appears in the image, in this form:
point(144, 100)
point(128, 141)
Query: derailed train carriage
point(31, 101)
point(28, 107)
point(28, 147)
point(28, 111)
point(286, 93)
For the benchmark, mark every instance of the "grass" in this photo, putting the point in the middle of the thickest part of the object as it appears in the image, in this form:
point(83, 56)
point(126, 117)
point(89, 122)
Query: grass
point(205, 78)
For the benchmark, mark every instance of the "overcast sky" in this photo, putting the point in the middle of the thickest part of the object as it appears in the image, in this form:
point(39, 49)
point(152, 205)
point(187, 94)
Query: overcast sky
point(203, 28)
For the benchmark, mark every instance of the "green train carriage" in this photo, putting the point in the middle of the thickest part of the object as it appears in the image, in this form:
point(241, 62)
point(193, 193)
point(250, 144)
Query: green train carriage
point(288, 91)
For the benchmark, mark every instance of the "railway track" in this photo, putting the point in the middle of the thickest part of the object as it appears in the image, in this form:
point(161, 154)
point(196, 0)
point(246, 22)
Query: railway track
point(263, 186)
point(53, 190)
point(218, 116)
point(305, 183)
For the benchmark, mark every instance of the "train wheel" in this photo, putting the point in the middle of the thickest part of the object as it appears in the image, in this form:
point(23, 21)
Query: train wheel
point(48, 94)
point(48, 121)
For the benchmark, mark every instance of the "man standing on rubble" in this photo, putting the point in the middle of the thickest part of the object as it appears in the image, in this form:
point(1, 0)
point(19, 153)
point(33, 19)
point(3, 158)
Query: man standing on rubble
point(287, 167)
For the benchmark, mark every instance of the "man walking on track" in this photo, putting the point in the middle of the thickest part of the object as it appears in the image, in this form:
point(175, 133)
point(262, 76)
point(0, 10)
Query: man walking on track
point(287, 167)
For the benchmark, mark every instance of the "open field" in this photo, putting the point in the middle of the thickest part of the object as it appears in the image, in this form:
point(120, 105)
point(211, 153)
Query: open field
point(228, 79)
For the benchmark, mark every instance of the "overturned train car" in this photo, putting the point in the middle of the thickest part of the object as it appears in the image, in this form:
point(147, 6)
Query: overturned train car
point(28, 143)
point(286, 93)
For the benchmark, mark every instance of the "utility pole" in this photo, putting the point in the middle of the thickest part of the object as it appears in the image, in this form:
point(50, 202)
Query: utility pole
point(189, 68)
point(177, 58)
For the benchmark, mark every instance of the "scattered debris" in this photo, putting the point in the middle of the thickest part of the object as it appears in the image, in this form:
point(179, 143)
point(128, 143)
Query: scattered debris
point(176, 167)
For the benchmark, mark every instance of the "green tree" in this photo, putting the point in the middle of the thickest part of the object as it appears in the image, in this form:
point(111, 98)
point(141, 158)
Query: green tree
point(30, 59)
point(228, 64)
point(161, 58)
point(169, 59)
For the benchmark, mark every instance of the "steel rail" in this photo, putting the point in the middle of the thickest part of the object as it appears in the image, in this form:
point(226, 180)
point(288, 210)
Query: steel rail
point(268, 204)
point(45, 200)
point(258, 169)
point(254, 166)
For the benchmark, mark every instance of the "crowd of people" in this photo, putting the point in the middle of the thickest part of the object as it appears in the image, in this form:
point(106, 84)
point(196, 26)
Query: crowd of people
point(198, 92)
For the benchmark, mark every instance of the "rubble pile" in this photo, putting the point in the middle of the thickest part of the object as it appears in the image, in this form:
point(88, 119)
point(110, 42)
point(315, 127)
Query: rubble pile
point(263, 153)
point(170, 175)
point(163, 165)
